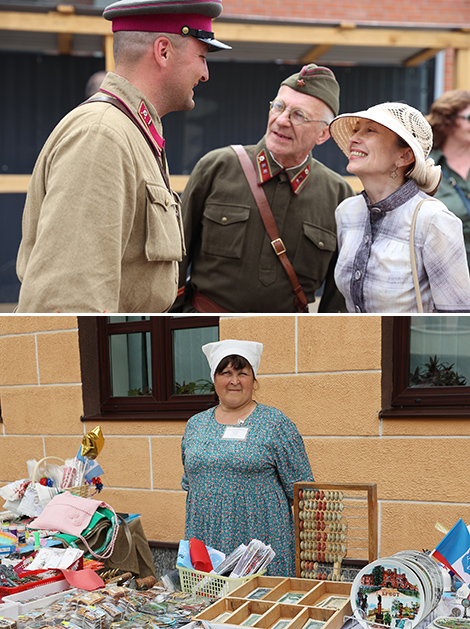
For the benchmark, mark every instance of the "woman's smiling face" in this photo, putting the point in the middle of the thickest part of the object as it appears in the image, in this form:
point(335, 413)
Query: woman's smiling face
point(373, 149)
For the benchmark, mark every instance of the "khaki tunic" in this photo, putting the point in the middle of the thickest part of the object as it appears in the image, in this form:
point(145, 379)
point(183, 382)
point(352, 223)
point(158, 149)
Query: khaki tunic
point(232, 259)
point(101, 231)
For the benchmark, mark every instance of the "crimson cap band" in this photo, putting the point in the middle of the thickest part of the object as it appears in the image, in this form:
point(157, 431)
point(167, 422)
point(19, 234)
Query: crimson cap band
point(183, 17)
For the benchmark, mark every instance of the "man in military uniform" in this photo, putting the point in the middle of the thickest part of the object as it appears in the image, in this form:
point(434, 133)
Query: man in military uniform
point(234, 263)
point(101, 226)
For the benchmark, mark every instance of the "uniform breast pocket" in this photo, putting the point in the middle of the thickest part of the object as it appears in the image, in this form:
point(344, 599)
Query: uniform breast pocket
point(314, 250)
point(223, 230)
point(163, 238)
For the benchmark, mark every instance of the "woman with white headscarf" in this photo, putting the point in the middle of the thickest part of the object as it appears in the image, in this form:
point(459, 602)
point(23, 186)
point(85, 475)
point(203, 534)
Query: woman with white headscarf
point(241, 460)
point(395, 219)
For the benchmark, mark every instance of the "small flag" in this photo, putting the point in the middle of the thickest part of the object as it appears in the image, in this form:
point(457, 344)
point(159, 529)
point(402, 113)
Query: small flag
point(454, 551)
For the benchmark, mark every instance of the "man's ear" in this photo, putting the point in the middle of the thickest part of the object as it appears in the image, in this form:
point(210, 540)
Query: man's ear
point(162, 48)
point(323, 136)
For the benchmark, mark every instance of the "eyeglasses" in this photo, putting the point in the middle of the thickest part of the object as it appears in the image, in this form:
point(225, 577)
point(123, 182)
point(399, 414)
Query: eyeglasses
point(464, 116)
point(296, 116)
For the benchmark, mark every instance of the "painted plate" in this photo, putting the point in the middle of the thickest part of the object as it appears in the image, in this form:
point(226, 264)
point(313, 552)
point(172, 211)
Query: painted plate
point(388, 592)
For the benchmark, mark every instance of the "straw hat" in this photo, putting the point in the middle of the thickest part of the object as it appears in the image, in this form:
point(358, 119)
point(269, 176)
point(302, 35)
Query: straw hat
point(409, 124)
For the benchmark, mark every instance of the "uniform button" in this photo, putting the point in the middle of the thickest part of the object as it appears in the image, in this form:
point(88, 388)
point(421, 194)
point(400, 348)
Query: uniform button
point(358, 309)
point(321, 244)
point(224, 219)
point(357, 275)
point(375, 209)
point(166, 202)
point(366, 239)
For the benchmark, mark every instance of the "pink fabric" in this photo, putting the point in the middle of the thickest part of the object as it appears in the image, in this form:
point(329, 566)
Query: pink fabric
point(162, 22)
point(66, 513)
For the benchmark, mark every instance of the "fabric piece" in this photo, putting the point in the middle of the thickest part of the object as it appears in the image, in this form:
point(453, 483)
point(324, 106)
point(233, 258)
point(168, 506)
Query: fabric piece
point(454, 551)
point(67, 513)
point(199, 556)
point(140, 559)
point(374, 251)
point(232, 260)
point(242, 490)
point(84, 579)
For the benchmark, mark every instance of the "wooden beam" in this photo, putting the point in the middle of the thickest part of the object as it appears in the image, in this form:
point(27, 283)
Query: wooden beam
point(17, 184)
point(421, 57)
point(342, 35)
point(462, 69)
point(108, 53)
point(315, 53)
point(64, 43)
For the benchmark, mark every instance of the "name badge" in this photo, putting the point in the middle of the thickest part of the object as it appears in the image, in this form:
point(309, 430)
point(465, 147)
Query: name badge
point(235, 433)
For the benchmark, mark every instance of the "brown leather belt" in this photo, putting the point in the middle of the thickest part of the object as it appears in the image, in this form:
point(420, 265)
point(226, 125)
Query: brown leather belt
point(204, 304)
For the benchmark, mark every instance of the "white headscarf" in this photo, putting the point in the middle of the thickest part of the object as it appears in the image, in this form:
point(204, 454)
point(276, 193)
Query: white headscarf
point(215, 352)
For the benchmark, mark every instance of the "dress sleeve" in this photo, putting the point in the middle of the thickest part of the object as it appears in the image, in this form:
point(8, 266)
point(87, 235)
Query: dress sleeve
point(289, 455)
point(445, 262)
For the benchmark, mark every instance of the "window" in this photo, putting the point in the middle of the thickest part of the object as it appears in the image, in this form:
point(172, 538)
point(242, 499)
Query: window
point(425, 366)
point(146, 367)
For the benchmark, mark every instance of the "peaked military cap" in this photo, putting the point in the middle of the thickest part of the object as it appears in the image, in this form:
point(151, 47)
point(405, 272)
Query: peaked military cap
point(183, 17)
point(316, 81)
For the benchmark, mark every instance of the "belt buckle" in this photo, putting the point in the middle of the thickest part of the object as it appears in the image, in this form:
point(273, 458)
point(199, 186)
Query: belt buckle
point(274, 242)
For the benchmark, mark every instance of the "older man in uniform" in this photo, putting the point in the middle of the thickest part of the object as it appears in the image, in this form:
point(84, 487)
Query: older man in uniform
point(234, 262)
point(101, 226)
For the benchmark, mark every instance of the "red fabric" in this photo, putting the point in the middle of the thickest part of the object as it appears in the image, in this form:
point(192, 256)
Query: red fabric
point(162, 22)
point(199, 555)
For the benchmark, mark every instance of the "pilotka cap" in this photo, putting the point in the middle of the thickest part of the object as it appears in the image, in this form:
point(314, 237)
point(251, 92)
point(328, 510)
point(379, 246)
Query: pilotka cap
point(182, 17)
point(316, 81)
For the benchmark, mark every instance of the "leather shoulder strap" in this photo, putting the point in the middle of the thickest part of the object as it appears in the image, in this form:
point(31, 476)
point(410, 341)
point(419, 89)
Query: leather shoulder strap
point(270, 226)
point(105, 98)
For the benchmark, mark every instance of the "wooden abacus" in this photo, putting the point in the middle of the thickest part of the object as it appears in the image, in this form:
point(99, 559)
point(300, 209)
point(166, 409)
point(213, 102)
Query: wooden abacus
point(334, 521)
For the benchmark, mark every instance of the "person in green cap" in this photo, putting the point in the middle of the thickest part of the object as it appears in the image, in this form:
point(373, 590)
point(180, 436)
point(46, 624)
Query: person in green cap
point(231, 256)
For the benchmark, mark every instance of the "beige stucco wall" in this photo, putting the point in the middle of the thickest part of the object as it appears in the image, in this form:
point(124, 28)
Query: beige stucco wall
point(322, 371)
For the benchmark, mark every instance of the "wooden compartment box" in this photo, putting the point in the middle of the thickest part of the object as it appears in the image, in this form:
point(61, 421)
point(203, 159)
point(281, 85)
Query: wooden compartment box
point(314, 604)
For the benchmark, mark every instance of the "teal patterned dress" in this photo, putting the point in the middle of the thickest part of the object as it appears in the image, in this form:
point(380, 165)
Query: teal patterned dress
point(242, 490)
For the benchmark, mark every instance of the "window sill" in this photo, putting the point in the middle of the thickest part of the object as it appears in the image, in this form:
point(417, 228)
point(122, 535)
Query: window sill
point(426, 412)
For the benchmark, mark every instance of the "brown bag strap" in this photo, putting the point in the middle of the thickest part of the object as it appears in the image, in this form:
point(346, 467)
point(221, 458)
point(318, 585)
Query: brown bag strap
point(270, 226)
point(204, 304)
point(105, 98)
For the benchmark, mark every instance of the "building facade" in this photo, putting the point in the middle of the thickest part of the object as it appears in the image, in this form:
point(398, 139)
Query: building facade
point(332, 375)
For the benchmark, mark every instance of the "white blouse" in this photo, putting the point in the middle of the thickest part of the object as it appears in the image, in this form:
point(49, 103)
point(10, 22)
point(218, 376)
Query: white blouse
point(373, 271)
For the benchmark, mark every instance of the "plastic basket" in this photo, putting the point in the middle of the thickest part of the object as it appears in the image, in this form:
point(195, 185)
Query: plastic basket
point(58, 576)
point(210, 585)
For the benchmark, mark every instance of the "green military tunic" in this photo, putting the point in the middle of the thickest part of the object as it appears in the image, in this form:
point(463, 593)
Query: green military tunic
point(231, 256)
point(449, 195)
point(101, 231)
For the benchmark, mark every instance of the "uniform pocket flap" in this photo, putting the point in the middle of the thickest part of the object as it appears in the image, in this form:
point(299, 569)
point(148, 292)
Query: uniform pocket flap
point(158, 194)
point(226, 214)
point(322, 238)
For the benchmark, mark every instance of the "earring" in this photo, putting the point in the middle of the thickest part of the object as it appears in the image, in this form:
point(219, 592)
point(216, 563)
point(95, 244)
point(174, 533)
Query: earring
point(393, 174)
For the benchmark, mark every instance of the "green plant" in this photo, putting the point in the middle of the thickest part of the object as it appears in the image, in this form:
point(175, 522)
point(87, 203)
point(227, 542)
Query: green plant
point(436, 374)
point(146, 391)
point(199, 387)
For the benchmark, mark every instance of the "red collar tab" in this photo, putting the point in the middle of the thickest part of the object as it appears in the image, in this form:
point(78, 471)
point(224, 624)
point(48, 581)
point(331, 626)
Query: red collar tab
point(264, 170)
point(298, 180)
point(147, 120)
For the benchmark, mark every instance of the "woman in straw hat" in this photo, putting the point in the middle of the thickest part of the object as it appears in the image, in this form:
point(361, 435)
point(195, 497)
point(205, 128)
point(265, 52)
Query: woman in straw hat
point(395, 218)
point(241, 460)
